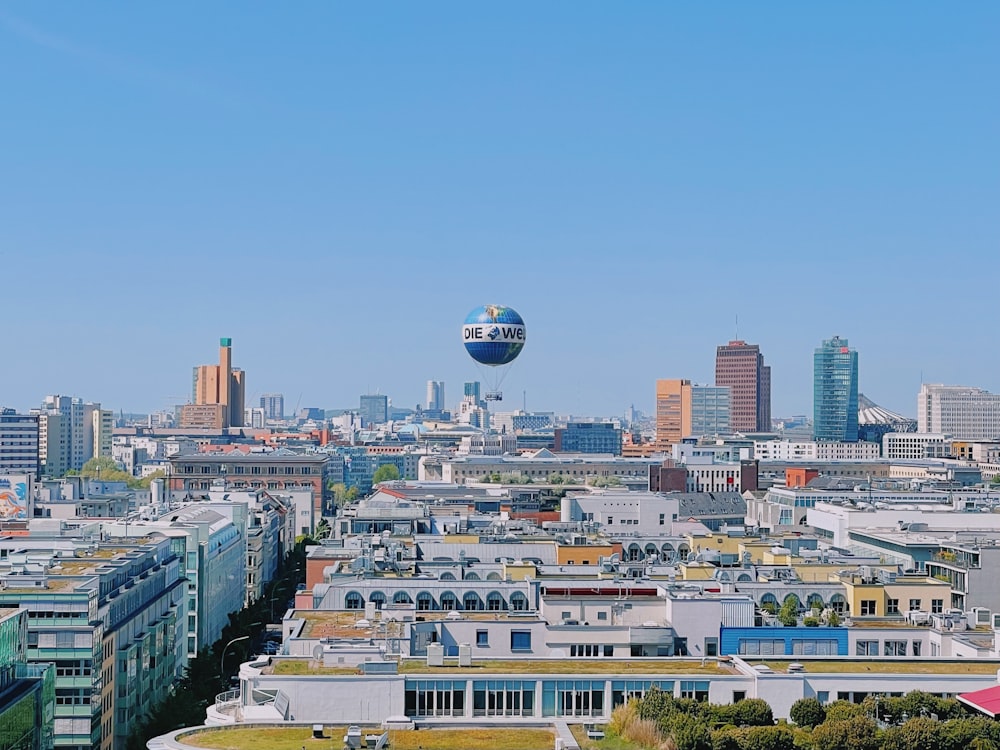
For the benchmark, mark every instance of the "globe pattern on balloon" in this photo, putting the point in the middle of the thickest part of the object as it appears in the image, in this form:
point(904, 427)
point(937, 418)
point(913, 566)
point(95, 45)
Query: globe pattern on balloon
point(493, 335)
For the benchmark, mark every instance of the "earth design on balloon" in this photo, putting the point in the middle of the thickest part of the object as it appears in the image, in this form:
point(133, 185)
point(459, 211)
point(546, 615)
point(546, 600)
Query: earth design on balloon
point(493, 335)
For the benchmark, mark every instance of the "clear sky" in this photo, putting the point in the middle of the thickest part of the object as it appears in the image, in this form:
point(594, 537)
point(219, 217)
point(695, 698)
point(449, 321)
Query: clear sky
point(336, 185)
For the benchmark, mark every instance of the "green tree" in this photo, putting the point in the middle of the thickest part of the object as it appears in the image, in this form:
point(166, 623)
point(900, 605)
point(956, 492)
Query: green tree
point(555, 478)
point(842, 710)
point(810, 622)
point(751, 712)
point(833, 619)
point(788, 615)
point(688, 733)
point(921, 733)
point(858, 733)
point(807, 712)
point(385, 473)
point(767, 738)
point(105, 468)
point(972, 732)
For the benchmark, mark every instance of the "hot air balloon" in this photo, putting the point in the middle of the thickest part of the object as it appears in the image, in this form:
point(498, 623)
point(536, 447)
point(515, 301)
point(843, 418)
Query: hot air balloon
point(494, 336)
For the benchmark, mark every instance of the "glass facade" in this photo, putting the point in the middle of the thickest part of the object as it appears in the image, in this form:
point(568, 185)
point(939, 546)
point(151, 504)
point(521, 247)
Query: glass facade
point(710, 410)
point(835, 391)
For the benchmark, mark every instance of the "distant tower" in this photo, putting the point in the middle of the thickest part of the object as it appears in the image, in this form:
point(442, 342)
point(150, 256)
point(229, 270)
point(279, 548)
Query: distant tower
point(221, 386)
point(435, 395)
point(835, 391)
point(740, 367)
point(273, 405)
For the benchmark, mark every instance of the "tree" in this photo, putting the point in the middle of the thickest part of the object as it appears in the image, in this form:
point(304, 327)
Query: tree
point(385, 473)
point(833, 619)
point(751, 712)
point(858, 733)
point(105, 468)
point(788, 615)
point(767, 738)
point(920, 733)
point(688, 733)
point(807, 712)
point(146, 481)
point(555, 478)
point(842, 710)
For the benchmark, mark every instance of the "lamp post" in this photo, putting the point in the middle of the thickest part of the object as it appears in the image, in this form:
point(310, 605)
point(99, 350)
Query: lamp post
point(222, 661)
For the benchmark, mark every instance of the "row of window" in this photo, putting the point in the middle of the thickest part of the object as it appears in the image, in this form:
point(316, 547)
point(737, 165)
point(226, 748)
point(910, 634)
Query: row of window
point(889, 648)
point(517, 697)
point(869, 607)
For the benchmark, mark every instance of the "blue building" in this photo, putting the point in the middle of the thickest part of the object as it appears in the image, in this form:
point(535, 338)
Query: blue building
point(589, 437)
point(710, 410)
point(799, 641)
point(835, 391)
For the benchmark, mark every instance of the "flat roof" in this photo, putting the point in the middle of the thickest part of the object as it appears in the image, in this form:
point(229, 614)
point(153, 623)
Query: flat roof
point(901, 665)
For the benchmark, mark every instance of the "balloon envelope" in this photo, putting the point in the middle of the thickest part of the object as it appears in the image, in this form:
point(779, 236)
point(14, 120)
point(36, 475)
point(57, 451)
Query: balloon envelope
point(493, 335)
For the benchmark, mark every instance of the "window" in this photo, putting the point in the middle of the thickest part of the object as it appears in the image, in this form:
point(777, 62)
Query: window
point(482, 638)
point(866, 648)
point(610, 520)
point(609, 650)
point(624, 690)
point(503, 698)
point(602, 615)
point(739, 695)
point(867, 607)
point(695, 689)
point(435, 698)
point(823, 696)
point(892, 606)
point(565, 615)
point(520, 640)
point(815, 647)
point(573, 698)
point(914, 605)
point(761, 646)
point(916, 648)
point(937, 606)
point(662, 518)
point(894, 648)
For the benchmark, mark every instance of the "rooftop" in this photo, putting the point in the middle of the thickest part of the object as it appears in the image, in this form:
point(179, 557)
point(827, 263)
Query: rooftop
point(658, 666)
point(292, 738)
point(840, 665)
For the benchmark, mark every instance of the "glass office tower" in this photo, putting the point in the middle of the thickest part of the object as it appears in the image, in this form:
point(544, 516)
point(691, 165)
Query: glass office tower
point(835, 391)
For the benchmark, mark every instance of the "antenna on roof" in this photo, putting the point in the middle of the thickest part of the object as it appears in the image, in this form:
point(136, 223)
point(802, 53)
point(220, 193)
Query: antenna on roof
point(737, 326)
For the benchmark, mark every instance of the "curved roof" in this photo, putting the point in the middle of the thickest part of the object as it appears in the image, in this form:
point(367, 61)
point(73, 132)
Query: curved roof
point(871, 413)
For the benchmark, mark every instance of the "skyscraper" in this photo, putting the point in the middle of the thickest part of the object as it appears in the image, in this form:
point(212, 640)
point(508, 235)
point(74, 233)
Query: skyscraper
point(835, 391)
point(740, 367)
point(374, 409)
point(473, 389)
point(273, 405)
point(673, 412)
point(435, 395)
point(18, 443)
point(218, 394)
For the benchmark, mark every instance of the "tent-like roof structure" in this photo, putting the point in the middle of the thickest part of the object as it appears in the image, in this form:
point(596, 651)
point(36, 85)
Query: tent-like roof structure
point(871, 413)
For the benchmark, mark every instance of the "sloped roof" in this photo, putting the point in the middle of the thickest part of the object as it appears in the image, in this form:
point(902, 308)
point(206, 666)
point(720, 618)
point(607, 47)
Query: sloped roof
point(986, 701)
point(871, 413)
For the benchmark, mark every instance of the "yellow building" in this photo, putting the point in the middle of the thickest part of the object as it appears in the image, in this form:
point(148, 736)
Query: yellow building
point(872, 595)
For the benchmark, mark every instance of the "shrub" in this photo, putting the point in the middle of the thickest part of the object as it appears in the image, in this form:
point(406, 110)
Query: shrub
point(858, 733)
point(807, 712)
point(644, 732)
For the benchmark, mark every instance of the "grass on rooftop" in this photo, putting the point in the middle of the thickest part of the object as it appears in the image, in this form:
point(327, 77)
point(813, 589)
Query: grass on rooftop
point(907, 666)
point(517, 666)
point(295, 738)
point(610, 742)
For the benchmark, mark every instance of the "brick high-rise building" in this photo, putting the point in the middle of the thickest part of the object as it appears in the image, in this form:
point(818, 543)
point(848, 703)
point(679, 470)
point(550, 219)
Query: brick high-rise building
point(219, 392)
point(740, 367)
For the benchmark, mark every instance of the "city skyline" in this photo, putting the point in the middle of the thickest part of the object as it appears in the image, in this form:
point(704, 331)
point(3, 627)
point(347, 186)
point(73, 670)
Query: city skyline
point(629, 181)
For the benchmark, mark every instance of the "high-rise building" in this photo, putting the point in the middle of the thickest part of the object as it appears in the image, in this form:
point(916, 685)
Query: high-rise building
point(711, 410)
point(435, 395)
point(70, 433)
point(473, 389)
point(218, 395)
point(18, 443)
point(673, 412)
point(835, 391)
point(962, 412)
point(374, 409)
point(740, 367)
point(273, 405)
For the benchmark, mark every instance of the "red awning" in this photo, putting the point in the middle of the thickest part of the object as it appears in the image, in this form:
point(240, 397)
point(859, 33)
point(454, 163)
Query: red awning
point(987, 701)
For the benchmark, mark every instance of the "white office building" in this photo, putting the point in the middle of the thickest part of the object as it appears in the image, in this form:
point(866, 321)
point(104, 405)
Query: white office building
point(960, 411)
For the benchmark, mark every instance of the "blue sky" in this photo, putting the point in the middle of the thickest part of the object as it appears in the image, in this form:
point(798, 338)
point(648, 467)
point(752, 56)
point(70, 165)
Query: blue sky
point(336, 185)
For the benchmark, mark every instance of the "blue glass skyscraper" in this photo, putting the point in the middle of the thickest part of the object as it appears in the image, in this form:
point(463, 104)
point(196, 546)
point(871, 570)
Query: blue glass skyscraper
point(835, 391)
